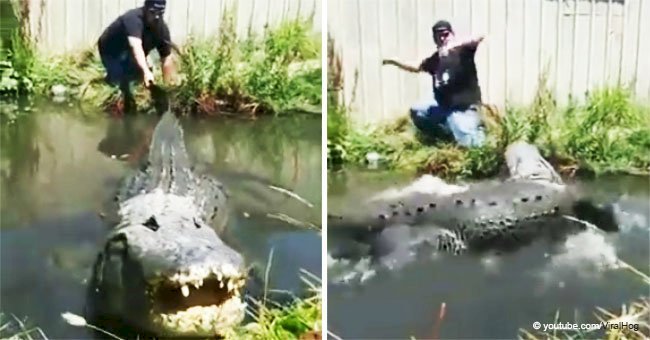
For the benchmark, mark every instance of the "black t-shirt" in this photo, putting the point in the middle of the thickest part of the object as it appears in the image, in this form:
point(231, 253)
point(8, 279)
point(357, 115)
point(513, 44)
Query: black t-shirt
point(455, 82)
point(114, 40)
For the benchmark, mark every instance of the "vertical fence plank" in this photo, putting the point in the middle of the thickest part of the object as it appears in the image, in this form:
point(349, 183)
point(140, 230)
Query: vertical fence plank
point(558, 39)
point(590, 55)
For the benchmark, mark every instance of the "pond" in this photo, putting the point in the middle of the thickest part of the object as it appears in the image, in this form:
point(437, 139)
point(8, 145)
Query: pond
point(60, 167)
point(490, 296)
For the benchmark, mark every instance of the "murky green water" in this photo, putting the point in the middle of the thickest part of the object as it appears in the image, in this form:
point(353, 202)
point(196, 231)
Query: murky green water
point(492, 297)
point(60, 167)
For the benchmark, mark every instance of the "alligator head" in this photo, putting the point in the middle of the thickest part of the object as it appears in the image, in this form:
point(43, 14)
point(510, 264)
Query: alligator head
point(164, 269)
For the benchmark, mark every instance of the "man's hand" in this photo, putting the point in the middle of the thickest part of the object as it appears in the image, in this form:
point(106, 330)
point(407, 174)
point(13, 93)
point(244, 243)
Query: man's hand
point(148, 78)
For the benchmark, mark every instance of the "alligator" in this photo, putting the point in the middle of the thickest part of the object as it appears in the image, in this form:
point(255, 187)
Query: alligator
point(502, 216)
point(164, 269)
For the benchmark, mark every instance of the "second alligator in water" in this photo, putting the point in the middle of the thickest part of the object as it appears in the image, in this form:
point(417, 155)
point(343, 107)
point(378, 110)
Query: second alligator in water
point(531, 204)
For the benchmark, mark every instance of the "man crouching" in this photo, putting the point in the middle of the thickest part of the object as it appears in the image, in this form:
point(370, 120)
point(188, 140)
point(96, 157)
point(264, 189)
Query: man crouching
point(457, 93)
point(125, 44)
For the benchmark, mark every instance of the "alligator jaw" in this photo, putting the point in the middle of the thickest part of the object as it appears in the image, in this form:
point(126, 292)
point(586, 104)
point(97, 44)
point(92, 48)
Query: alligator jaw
point(200, 302)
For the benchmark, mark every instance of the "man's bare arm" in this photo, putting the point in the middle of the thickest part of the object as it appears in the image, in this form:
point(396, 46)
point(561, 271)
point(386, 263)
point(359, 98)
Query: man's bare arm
point(402, 66)
point(140, 58)
point(168, 69)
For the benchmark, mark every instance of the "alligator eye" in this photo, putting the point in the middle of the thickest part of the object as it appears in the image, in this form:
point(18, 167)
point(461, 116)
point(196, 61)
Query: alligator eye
point(152, 224)
point(524, 199)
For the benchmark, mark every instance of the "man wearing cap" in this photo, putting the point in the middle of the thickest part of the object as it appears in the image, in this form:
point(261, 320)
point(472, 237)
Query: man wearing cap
point(125, 44)
point(457, 95)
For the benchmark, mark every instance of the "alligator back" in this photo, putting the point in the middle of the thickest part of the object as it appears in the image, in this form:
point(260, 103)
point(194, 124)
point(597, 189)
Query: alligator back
point(167, 171)
point(485, 214)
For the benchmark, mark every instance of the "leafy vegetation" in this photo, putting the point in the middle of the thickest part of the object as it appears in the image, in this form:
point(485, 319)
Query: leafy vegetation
point(606, 133)
point(275, 72)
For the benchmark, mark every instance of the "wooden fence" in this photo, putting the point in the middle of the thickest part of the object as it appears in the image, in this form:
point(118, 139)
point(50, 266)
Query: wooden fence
point(67, 25)
point(580, 45)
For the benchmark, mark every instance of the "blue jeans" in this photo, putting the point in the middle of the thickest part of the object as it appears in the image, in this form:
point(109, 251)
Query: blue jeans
point(466, 126)
point(120, 70)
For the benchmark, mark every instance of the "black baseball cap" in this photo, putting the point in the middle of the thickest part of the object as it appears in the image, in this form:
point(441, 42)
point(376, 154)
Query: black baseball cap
point(442, 25)
point(156, 5)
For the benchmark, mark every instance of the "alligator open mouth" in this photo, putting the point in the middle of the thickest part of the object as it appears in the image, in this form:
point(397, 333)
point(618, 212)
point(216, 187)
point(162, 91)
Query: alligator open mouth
point(198, 305)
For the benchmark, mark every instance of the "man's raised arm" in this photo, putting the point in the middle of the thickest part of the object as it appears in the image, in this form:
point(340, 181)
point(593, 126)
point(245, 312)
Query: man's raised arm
point(402, 66)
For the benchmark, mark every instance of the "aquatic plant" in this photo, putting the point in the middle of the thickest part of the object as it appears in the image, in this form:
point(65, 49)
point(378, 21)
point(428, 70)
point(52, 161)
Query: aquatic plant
point(13, 328)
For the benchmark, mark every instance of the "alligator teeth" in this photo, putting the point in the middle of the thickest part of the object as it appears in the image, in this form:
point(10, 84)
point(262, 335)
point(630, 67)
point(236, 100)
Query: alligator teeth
point(220, 284)
point(231, 286)
point(185, 290)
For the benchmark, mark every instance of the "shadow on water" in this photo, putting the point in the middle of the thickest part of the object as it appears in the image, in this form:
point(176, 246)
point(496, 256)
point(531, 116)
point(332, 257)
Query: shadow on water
point(60, 170)
point(492, 296)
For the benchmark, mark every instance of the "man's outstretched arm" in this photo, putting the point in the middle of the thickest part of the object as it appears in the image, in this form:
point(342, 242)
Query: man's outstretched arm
point(402, 66)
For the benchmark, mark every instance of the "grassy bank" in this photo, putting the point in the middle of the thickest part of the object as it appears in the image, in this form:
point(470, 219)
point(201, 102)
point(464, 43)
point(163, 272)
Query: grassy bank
point(275, 72)
point(299, 320)
point(607, 133)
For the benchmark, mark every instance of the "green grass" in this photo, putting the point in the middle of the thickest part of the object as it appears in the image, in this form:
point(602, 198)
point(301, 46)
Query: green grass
point(274, 322)
point(608, 133)
point(275, 72)
point(267, 73)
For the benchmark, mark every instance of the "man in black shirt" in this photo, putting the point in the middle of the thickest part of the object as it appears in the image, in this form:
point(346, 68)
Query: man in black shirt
point(125, 44)
point(455, 87)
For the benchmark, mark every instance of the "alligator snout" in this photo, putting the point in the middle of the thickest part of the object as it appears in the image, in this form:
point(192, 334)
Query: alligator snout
point(192, 281)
